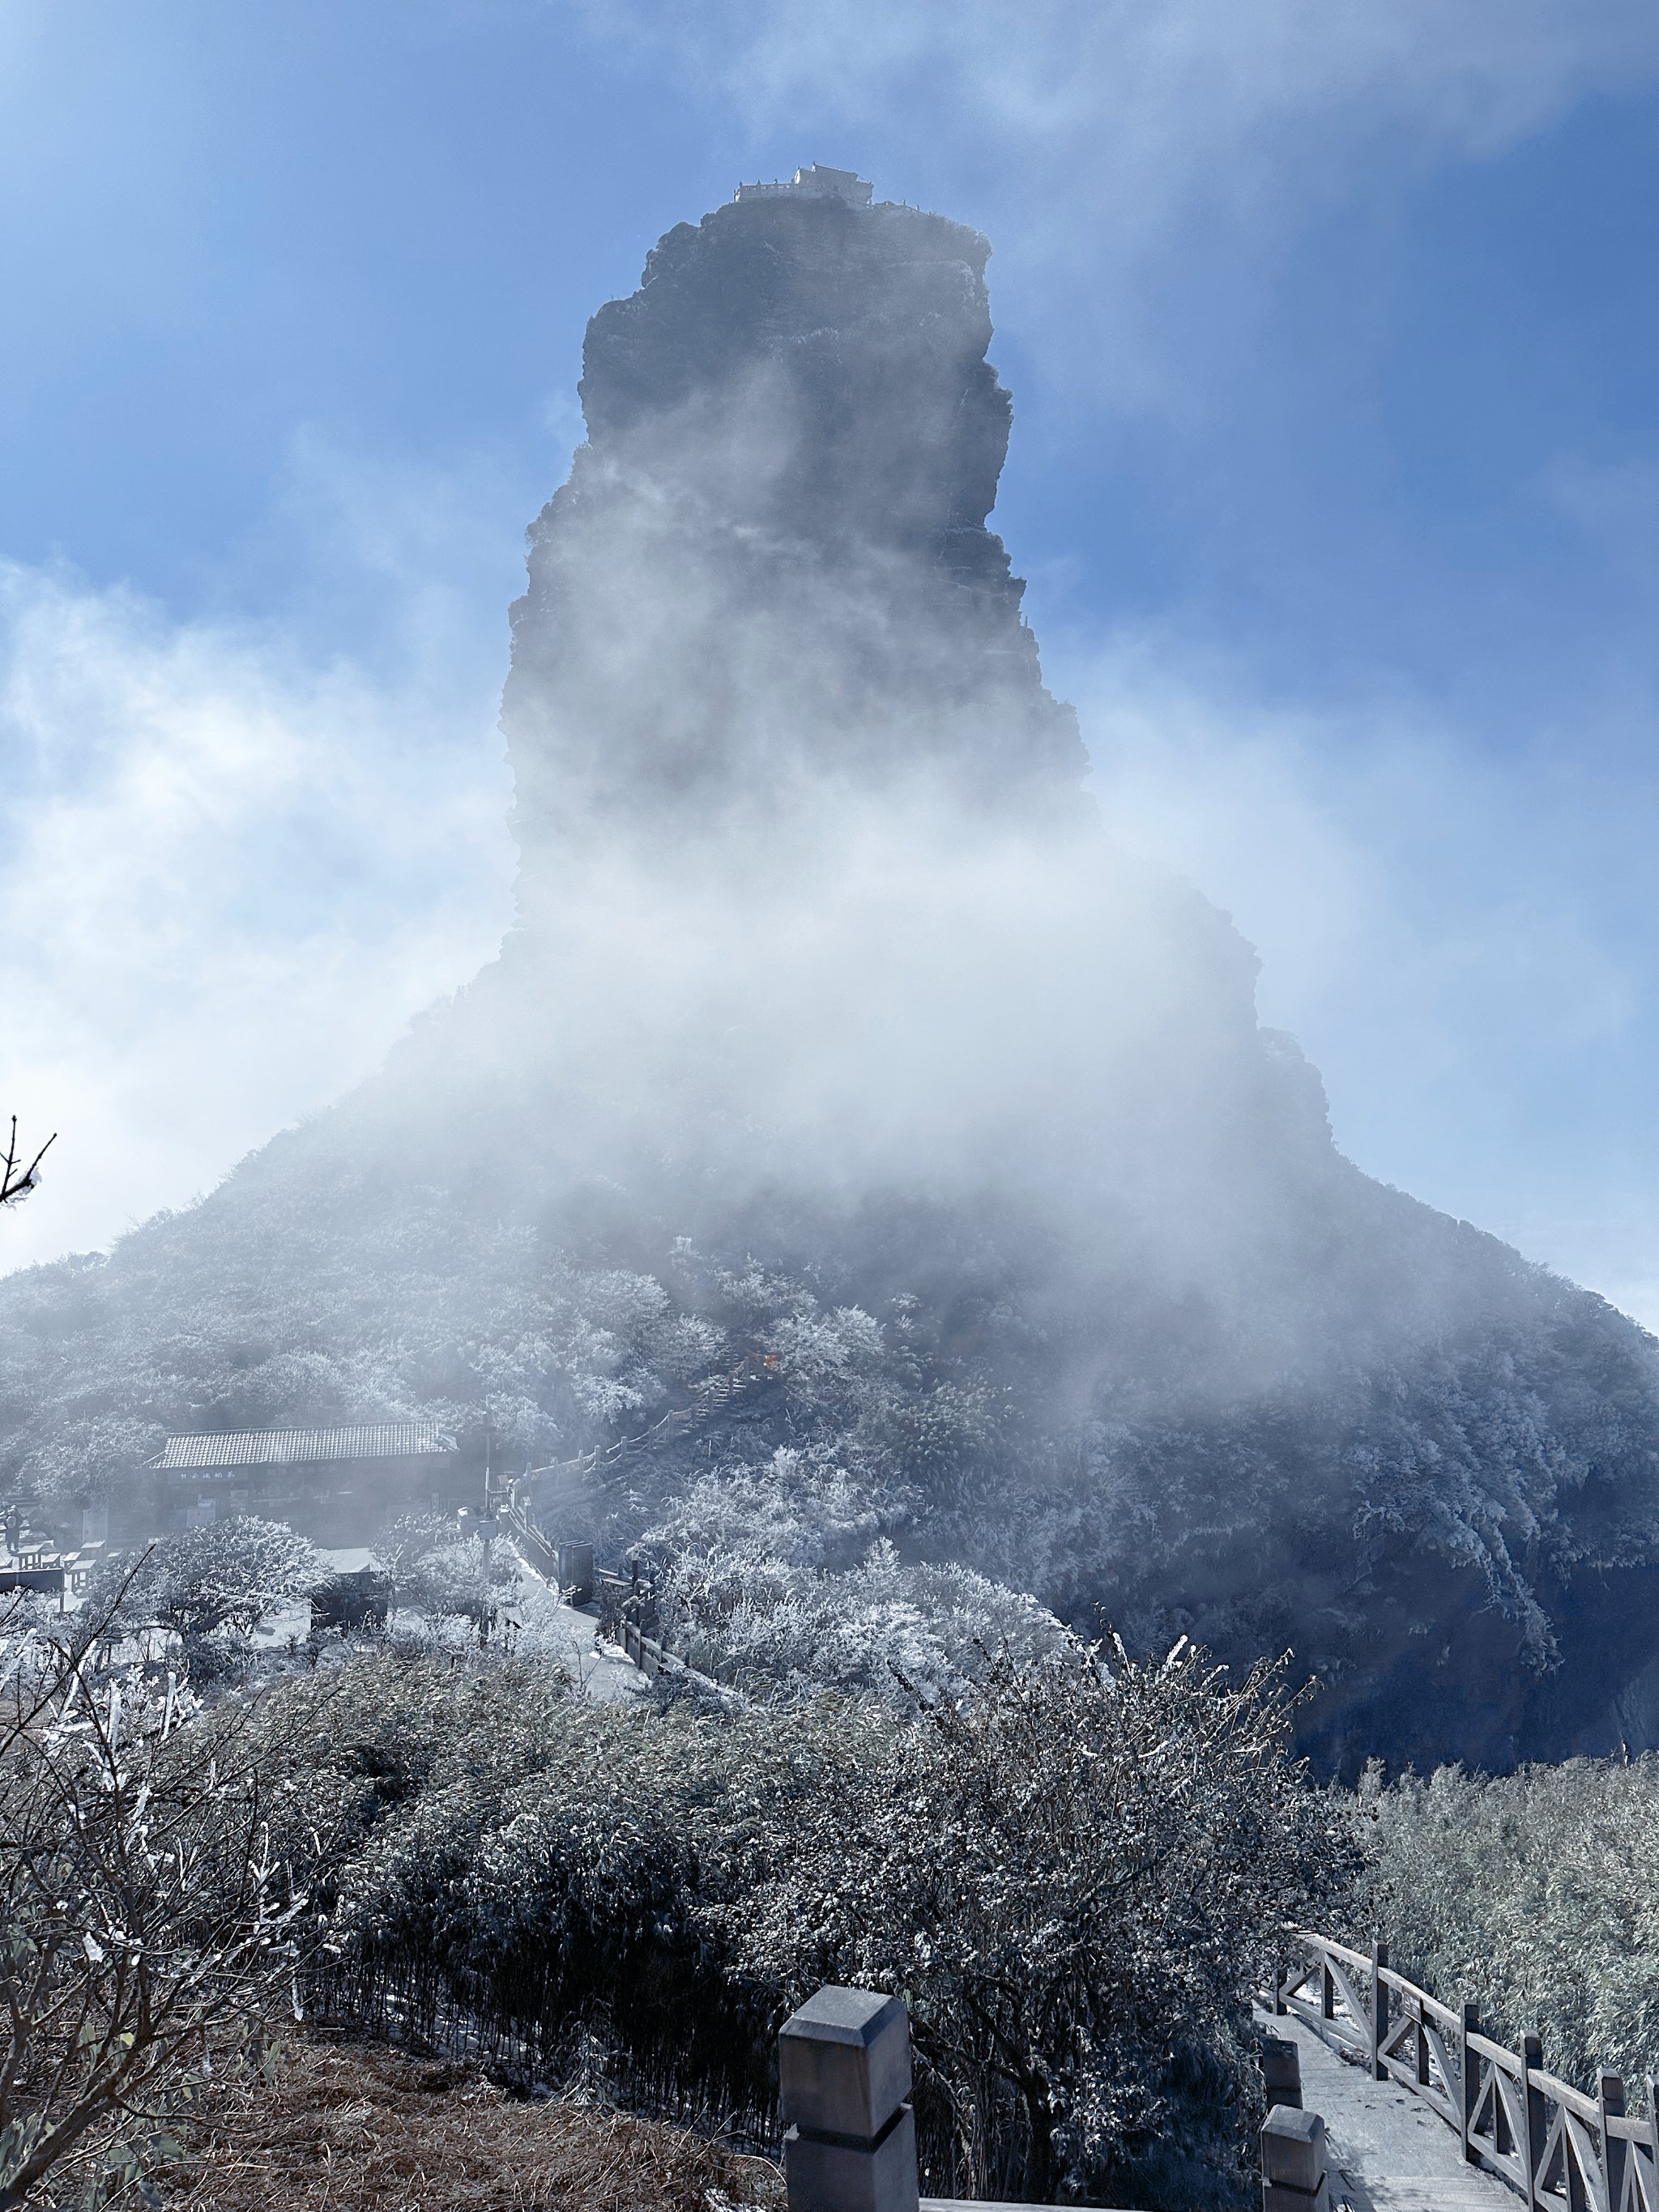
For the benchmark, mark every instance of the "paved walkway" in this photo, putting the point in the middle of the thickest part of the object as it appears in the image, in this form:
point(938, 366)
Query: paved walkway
point(605, 1675)
point(1388, 2152)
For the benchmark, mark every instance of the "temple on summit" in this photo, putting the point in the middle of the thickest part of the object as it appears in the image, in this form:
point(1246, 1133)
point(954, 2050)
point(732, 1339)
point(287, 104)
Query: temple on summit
point(816, 181)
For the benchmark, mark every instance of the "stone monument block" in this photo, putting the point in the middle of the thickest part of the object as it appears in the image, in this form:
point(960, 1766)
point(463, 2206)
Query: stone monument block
point(844, 2062)
point(1293, 2162)
point(822, 2176)
point(843, 2075)
point(1281, 2070)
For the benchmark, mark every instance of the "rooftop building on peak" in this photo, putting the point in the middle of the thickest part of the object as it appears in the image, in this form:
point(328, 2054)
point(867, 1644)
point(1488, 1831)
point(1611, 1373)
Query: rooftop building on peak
point(815, 182)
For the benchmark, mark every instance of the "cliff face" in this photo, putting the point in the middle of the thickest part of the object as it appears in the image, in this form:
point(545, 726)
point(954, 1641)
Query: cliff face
point(837, 1030)
point(770, 567)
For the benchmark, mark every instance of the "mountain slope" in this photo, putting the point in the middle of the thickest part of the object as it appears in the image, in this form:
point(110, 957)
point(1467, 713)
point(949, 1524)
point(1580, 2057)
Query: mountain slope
point(837, 1030)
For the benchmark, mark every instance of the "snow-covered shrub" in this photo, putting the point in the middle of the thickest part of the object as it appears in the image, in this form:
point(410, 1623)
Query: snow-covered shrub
point(438, 1569)
point(148, 1926)
point(210, 1586)
point(1536, 1895)
point(787, 1573)
point(1074, 1876)
point(496, 1848)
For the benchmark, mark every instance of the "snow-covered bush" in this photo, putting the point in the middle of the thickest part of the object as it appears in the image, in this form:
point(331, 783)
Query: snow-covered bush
point(148, 1926)
point(1074, 1876)
point(438, 1568)
point(787, 1576)
point(1536, 1895)
point(211, 1586)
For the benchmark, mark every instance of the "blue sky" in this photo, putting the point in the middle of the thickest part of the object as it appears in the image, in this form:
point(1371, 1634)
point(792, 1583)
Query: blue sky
point(1332, 331)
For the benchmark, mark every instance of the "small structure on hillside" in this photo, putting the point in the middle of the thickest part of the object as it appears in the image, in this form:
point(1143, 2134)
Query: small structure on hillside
point(359, 1598)
point(337, 1486)
point(814, 182)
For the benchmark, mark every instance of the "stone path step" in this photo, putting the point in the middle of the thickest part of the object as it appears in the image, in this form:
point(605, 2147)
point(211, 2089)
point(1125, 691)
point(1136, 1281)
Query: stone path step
point(1414, 2194)
point(1392, 2153)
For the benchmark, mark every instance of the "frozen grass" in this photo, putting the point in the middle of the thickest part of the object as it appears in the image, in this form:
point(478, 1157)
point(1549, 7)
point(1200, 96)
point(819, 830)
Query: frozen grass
point(362, 2128)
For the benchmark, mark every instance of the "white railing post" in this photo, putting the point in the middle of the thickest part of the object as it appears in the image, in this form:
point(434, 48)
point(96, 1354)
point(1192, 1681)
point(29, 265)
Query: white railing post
point(849, 2140)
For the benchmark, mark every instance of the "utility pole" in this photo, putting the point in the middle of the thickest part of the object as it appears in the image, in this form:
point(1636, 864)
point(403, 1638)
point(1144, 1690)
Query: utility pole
point(486, 1531)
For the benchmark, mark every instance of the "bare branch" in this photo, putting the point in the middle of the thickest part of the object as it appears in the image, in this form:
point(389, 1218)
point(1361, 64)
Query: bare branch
point(16, 1184)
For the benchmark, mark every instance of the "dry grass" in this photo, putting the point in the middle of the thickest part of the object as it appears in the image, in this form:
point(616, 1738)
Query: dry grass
point(360, 2127)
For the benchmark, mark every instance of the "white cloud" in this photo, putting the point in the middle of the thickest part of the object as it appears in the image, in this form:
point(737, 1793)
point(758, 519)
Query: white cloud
point(227, 880)
point(1450, 934)
point(1131, 81)
point(1122, 149)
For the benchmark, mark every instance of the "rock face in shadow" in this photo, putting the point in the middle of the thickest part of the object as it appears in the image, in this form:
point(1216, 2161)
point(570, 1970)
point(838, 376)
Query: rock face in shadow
point(770, 567)
point(839, 1036)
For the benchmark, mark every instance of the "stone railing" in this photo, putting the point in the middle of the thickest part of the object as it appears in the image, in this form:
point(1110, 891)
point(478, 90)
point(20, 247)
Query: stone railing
point(849, 2140)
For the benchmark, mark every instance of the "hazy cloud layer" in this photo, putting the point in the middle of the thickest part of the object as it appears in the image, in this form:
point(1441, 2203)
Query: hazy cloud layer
point(227, 880)
point(1457, 940)
point(230, 875)
point(1106, 134)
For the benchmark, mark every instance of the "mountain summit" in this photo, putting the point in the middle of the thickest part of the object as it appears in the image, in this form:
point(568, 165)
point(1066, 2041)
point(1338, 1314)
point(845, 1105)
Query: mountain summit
point(770, 567)
point(842, 1049)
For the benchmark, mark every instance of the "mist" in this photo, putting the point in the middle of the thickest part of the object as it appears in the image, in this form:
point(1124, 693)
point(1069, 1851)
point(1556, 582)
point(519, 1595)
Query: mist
point(842, 1040)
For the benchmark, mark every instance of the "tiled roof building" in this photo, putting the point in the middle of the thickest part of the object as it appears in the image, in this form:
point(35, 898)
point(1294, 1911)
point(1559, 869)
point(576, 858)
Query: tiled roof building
point(337, 1486)
point(244, 1448)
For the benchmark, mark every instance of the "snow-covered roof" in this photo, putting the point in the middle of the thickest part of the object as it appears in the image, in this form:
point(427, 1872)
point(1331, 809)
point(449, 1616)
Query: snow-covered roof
point(304, 1447)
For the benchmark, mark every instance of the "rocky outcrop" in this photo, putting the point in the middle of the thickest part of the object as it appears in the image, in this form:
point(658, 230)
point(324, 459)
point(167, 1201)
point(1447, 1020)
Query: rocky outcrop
point(770, 567)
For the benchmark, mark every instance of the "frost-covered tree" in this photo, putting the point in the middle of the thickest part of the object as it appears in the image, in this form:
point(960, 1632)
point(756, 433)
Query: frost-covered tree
point(224, 1578)
point(1074, 1875)
point(788, 1575)
point(1532, 1894)
point(437, 1569)
point(147, 1927)
point(19, 1174)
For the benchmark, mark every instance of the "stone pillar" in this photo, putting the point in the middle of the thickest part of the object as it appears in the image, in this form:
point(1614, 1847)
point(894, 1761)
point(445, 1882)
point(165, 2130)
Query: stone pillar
point(1281, 2070)
point(575, 1572)
point(843, 2076)
point(1293, 2177)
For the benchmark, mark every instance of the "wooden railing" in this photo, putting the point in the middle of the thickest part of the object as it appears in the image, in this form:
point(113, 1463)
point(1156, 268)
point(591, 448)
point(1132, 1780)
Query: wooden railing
point(1558, 2148)
point(654, 1656)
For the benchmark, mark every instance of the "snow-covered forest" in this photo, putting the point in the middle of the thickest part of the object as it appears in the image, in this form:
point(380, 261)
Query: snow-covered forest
point(1076, 1866)
point(926, 1397)
point(460, 1842)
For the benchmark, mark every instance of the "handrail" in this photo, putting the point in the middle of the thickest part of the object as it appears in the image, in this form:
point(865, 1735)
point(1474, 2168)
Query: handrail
point(1565, 2094)
point(709, 1396)
point(1559, 2149)
point(1443, 2012)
